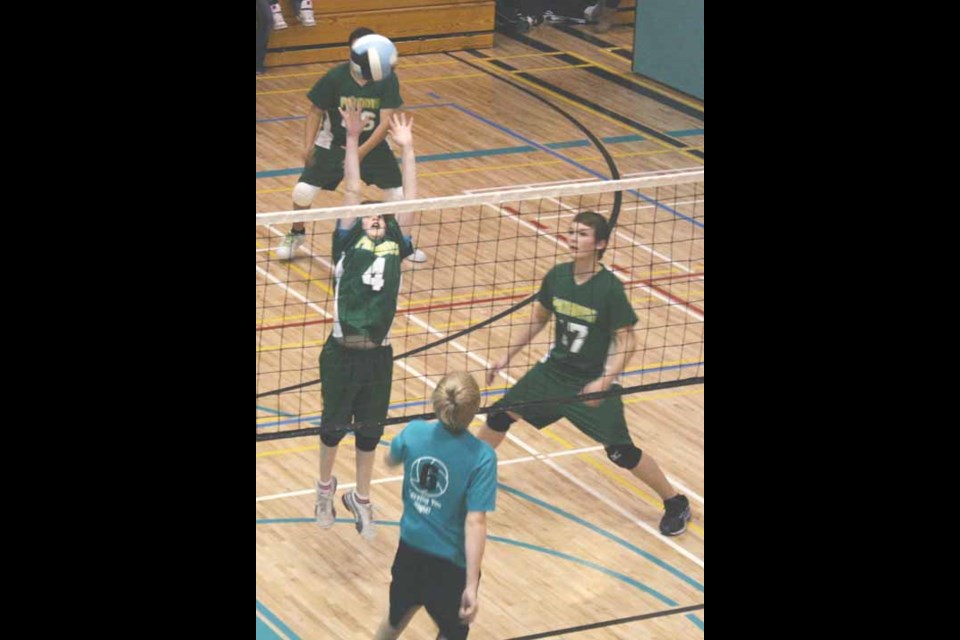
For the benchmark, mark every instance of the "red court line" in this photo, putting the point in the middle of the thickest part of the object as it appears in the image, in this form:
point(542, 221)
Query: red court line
point(430, 307)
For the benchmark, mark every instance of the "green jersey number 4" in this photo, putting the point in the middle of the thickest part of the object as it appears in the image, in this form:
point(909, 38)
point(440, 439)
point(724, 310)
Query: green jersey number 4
point(373, 276)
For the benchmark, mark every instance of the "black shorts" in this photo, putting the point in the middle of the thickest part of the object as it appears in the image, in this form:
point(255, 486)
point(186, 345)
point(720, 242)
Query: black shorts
point(422, 579)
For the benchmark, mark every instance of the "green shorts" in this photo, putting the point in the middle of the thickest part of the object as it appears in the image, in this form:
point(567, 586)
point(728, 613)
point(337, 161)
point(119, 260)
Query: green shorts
point(604, 424)
point(355, 385)
point(378, 168)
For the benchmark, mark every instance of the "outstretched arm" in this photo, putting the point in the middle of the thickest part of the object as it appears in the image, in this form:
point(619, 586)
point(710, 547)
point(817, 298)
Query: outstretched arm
point(402, 131)
point(351, 161)
point(538, 320)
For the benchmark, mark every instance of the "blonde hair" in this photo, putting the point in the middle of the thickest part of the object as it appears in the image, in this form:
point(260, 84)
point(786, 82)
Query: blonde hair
point(456, 400)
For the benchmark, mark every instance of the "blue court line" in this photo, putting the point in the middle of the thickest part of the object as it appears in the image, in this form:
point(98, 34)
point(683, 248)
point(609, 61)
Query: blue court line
point(623, 543)
point(514, 134)
point(277, 622)
point(415, 403)
point(684, 132)
point(532, 547)
point(570, 161)
point(280, 119)
point(405, 108)
point(275, 412)
point(482, 153)
point(264, 632)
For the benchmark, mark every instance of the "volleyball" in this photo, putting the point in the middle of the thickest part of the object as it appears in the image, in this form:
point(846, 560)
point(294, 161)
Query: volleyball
point(373, 57)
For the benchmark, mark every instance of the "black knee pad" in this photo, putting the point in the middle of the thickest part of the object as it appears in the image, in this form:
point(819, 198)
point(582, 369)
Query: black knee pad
point(367, 443)
point(624, 455)
point(500, 421)
point(331, 438)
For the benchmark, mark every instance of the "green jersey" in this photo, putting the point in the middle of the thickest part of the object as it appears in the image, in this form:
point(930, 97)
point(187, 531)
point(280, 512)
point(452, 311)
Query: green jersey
point(333, 91)
point(368, 281)
point(588, 315)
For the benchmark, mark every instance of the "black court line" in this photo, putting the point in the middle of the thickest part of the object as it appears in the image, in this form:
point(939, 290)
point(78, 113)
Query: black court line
point(653, 133)
point(619, 51)
point(609, 623)
point(594, 40)
point(665, 100)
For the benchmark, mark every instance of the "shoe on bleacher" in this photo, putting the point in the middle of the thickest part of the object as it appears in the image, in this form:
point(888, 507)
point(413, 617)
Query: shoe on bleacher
point(600, 15)
point(306, 14)
point(278, 21)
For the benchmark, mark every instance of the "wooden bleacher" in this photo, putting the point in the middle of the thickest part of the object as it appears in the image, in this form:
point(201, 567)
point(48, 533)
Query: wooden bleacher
point(415, 26)
point(626, 13)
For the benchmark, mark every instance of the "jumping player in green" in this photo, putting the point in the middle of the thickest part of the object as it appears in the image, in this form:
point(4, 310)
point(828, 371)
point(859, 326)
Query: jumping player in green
point(323, 150)
point(592, 344)
point(356, 364)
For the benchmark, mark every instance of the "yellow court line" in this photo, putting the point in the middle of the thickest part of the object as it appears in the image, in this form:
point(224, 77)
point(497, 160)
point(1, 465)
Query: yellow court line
point(445, 78)
point(562, 67)
point(404, 65)
point(300, 345)
point(410, 81)
point(282, 452)
point(538, 163)
point(303, 274)
point(495, 292)
point(411, 304)
point(604, 469)
point(637, 81)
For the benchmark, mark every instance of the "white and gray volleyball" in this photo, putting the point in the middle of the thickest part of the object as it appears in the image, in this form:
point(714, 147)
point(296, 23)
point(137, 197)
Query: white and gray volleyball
point(373, 57)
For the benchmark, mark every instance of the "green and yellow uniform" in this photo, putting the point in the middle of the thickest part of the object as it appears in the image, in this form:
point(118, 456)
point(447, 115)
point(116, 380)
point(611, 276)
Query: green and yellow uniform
point(587, 317)
point(335, 90)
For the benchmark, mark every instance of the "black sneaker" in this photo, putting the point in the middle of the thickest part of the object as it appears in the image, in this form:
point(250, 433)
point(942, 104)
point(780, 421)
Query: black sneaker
point(676, 517)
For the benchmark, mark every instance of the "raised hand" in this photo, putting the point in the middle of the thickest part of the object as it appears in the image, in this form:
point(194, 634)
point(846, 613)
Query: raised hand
point(401, 129)
point(352, 121)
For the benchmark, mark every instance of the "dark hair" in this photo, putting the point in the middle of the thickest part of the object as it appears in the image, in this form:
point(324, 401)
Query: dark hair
point(359, 32)
point(592, 219)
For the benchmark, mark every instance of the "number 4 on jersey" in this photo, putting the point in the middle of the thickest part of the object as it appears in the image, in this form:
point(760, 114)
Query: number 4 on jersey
point(373, 276)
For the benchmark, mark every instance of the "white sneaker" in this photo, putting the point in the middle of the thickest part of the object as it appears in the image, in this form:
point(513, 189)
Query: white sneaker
point(417, 256)
point(324, 512)
point(278, 21)
point(291, 242)
point(306, 13)
point(362, 514)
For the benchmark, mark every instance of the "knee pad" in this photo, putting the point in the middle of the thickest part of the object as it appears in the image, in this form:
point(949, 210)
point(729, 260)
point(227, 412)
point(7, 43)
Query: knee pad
point(624, 455)
point(303, 194)
point(331, 438)
point(392, 195)
point(367, 443)
point(500, 421)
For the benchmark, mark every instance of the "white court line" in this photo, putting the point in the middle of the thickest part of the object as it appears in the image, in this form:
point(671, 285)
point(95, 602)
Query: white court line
point(273, 627)
point(687, 491)
point(530, 450)
point(547, 184)
point(390, 479)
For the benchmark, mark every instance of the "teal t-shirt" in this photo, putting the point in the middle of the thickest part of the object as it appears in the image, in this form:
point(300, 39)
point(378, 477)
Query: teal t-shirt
point(445, 475)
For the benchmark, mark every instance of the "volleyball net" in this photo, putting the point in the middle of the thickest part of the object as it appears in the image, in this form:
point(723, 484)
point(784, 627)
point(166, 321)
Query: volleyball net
point(487, 256)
